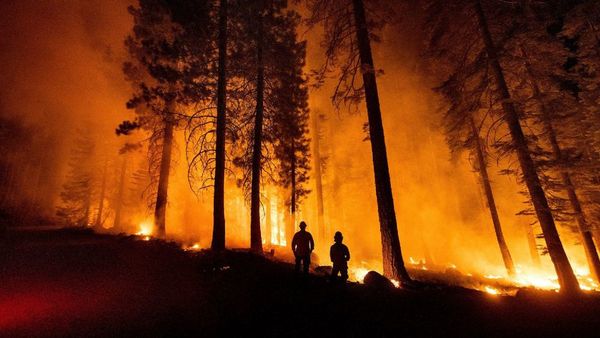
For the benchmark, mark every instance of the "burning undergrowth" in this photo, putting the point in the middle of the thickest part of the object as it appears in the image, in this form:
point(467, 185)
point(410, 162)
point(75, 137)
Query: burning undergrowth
point(451, 275)
point(448, 275)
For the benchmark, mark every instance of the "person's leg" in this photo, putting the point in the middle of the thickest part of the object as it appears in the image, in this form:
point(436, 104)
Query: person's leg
point(344, 272)
point(306, 263)
point(298, 260)
point(334, 273)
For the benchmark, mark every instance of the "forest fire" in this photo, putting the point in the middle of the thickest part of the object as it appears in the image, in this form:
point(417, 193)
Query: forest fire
point(489, 283)
point(145, 230)
point(491, 290)
point(194, 247)
point(446, 143)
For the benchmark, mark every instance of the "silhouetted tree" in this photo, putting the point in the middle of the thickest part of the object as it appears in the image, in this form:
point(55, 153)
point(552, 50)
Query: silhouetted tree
point(349, 32)
point(463, 91)
point(462, 33)
point(290, 123)
point(167, 69)
point(218, 239)
point(273, 73)
point(76, 196)
point(581, 33)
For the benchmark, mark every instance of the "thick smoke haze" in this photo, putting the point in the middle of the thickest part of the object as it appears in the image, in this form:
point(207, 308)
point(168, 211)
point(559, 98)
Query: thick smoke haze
point(61, 70)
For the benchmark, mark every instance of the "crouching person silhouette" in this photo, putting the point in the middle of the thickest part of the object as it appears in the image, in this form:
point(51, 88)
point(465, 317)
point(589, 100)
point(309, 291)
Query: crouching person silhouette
point(340, 255)
point(303, 245)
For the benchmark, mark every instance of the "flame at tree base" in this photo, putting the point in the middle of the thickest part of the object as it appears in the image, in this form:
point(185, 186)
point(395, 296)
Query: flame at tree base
point(489, 283)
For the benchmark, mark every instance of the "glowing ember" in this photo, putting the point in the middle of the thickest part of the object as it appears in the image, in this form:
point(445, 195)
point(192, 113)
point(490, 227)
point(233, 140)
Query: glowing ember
point(395, 282)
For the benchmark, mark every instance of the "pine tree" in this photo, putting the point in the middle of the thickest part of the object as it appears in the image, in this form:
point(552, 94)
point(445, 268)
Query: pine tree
point(348, 33)
point(290, 123)
point(273, 73)
point(566, 277)
point(167, 71)
point(477, 58)
point(581, 33)
point(218, 239)
point(77, 191)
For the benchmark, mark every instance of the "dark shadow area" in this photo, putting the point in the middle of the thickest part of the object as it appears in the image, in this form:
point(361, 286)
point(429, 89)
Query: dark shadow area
point(77, 283)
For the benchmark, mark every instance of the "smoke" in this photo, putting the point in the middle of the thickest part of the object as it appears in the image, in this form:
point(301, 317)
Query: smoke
point(440, 207)
point(61, 70)
point(60, 65)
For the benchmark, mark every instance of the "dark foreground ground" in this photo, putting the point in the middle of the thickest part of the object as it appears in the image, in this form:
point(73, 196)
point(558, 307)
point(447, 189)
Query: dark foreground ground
point(75, 283)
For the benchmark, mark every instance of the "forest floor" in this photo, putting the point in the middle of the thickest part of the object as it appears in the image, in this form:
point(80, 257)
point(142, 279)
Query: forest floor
point(77, 283)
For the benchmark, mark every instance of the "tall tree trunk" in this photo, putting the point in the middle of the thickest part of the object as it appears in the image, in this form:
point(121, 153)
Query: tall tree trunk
point(584, 230)
point(393, 263)
point(98, 222)
point(255, 235)
point(532, 244)
point(218, 236)
point(566, 278)
point(160, 211)
point(318, 176)
point(487, 187)
point(120, 192)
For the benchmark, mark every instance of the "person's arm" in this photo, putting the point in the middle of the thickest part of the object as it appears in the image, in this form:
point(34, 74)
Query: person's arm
point(311, 242)
point(347, 254)
point(331, 253)
point(294, 243)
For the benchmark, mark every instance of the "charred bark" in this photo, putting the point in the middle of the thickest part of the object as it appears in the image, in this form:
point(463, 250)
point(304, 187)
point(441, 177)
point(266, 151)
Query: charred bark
point(255, 235)
point(218, 236)
point(393, 263)
point(160, 211)
point(564, 271)
point(487, 187)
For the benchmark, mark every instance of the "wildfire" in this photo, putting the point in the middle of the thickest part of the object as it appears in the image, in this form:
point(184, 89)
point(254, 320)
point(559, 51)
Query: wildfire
point(359, 273)
point(193, 247)
point(491, 283)
point(145, 230)
point(491, 290)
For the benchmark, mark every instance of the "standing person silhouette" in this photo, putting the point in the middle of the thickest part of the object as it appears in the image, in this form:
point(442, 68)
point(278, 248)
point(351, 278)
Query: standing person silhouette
point(303, 245)
point(340, 255)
